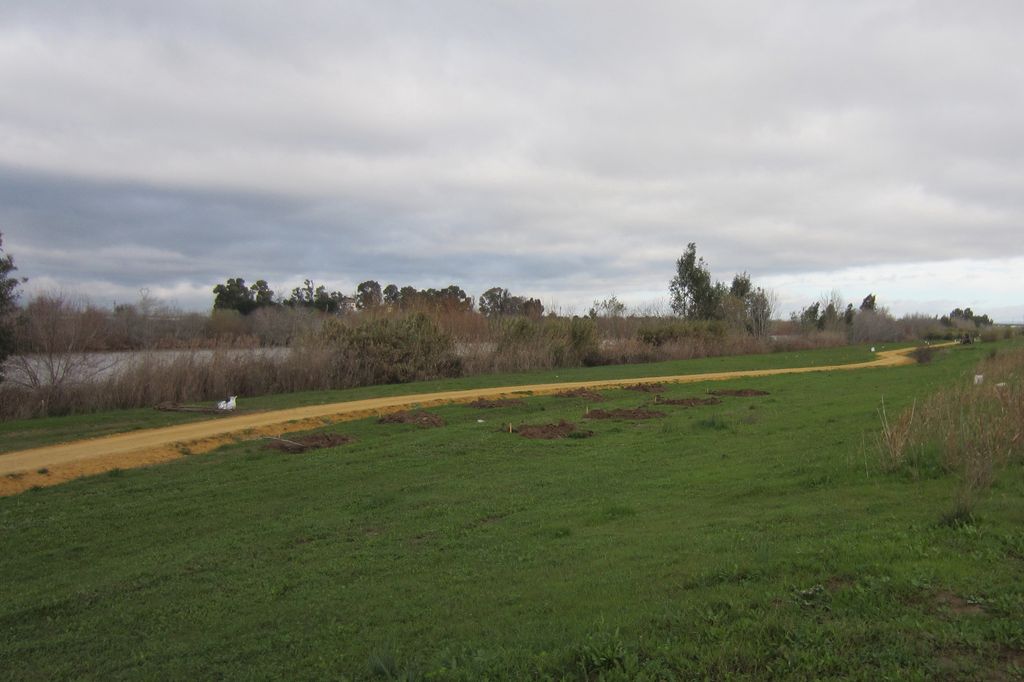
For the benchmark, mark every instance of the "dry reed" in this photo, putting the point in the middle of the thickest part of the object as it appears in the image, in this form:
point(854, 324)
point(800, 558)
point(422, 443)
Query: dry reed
point(975, 429)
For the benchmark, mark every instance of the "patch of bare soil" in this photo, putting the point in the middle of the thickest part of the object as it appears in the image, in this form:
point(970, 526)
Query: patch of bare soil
point(562, 429)
point(623, 413)
point(956, 603)
point(686, 402)
point(646, 388)
point(312, 441)
point(488, 404)
point(836, 583)
point(420, 418)
point(739, 392)
point(585, 393)
point(1012, 657)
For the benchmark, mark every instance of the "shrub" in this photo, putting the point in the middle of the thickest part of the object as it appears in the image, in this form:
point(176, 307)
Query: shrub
point(990, 335)
point(923, 354)
point(661, 332)
point(386, 351)
point(583, 345)
point(874, 325)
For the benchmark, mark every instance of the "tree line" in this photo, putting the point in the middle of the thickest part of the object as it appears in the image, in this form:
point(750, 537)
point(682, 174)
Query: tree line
point(736, 307)
point(234, 294)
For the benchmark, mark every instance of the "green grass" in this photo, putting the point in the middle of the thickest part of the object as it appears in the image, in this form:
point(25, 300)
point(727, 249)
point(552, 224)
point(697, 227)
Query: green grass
point(30, 433)
point(756, 538)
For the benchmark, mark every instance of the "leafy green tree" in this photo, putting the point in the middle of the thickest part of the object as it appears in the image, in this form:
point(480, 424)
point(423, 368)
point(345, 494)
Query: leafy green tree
point(694, 295)
point(368, 295)
point(497, 301)
point(810, 315)
point(309, 295)
point(829, 317)
point(235, 295)
point(453, 297)
point(262, 294)
point(532, 308)
point(408, 297)
point(741, 286)
point(8, 304)
point(966, 315)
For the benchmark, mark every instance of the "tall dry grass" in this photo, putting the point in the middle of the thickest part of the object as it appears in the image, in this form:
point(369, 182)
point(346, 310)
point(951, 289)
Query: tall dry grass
point(895, 439)
point(974, 430)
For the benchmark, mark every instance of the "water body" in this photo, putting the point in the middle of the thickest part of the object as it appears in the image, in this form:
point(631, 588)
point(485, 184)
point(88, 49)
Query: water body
point(28, 370)
point(34, 370)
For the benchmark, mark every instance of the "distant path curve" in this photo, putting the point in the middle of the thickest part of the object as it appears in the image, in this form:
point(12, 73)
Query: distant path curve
point(20, 470)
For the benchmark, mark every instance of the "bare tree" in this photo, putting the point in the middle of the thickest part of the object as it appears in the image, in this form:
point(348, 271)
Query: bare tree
point(54, 334)
point(761, 306)
point(832, 306)
point(874, 325)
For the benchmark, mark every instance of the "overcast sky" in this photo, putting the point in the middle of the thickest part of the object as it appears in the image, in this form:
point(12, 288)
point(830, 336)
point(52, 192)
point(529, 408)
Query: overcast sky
point(566, 150)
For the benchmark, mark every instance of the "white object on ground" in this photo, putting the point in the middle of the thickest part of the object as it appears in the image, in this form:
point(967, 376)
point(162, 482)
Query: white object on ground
point(228, 404)
point(979, 379)
point(479, 421)
point(872, 349)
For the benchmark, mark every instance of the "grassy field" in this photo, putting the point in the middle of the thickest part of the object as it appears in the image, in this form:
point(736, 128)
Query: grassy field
point(755, 538)
point(29, 433)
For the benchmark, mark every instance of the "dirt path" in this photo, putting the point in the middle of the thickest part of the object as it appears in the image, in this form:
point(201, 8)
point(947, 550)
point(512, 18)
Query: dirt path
point(54, 464)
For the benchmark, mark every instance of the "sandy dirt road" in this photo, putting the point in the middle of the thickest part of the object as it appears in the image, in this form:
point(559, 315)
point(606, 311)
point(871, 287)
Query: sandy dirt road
point(54, 464)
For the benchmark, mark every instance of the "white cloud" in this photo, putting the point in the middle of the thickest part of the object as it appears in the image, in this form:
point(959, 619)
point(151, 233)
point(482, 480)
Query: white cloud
point(567, 150)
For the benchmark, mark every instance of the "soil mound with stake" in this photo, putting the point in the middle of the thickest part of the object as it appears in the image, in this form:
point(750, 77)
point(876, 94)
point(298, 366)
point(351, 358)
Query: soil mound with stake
point(312, 441)
point(562, 429)
point(420, 418)
point(639, 413)
point(488, 404)
point(739, 392)
point(646, 388)
point(686, 402)
point(586, 393)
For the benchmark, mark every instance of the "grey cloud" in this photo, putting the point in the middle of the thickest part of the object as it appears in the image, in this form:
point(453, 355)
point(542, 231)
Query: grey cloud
point(571, 149)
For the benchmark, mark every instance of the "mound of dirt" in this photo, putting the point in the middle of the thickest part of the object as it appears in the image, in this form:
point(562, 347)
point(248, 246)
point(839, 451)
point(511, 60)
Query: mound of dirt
point(420, 418)
point(646, 388)
point(562, 429)
point(956, 604)
point(488, 404)
point(739, 392)
point(311, 441)
point(686, 402)
point(638, 413)
point(585, 393)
